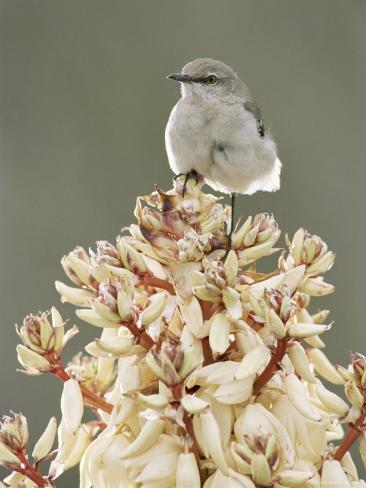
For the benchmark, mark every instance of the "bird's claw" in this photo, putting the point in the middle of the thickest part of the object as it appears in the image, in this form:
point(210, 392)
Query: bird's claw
point(191, 174)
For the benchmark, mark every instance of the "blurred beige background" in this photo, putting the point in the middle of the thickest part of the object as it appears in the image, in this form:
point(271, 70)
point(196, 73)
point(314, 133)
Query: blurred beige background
point(84, 102)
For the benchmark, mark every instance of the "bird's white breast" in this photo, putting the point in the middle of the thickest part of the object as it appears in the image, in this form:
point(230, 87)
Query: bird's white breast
point(247, 162)
point(187, 139)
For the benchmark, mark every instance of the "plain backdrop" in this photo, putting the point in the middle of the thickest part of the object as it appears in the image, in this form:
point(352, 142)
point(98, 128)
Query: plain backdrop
point(83, 107)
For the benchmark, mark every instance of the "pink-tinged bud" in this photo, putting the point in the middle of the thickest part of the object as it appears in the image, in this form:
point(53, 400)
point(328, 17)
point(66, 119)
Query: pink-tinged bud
point(192, 246)
point(107, 254)
point(76, 266)
point(280, 302)
point(172, 362)
point(358, 362)
point(130, 257)
point(14, 433)
point(41, 336)
point(306, 248)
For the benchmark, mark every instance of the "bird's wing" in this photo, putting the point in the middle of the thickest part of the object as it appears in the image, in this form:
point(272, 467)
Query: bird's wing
point(252, 107)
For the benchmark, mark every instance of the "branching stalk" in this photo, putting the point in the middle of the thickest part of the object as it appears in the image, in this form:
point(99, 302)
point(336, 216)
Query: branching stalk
point(271, 367)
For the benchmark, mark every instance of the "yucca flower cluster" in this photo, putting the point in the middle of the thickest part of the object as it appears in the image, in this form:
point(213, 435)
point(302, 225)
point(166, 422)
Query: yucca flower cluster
point(207, 372)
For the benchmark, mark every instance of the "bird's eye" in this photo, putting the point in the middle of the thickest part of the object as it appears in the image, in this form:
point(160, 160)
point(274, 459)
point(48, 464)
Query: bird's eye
point(211, 80)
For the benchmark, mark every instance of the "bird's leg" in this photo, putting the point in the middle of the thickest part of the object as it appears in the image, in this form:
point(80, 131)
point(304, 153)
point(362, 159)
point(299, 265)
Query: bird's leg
point(191, 174)
point(233, 197)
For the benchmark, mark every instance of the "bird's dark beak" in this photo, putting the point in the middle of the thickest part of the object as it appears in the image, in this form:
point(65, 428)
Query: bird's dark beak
point(179, 77)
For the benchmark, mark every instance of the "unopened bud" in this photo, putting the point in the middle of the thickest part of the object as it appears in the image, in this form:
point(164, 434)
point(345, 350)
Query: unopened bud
point(353, 394)
point(45, 442)
point(32, 361)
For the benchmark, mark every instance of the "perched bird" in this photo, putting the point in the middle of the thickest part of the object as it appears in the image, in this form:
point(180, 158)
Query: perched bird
point(216, 130)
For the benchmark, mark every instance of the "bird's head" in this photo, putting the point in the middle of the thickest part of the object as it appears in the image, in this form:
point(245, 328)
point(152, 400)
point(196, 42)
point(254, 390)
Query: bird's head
point(208, 79)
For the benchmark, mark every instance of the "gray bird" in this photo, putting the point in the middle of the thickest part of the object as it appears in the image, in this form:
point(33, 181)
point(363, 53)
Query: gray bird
point(216, 130)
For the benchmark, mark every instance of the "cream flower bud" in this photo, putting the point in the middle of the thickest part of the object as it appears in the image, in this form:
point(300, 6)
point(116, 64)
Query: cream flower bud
point(219, 336)
point(276, 324)
point(154, 310)
point(76, 266)
point(316, 287)
point(307, 330)
point(194, 404)
point(69, 335)
point(31, 361)
point(45, 442)
point(300, 362)
point(353, 394)
point(157, 401)
point(332, 401)
point(188, 474)
point(235, 392)
point(58, 329)
point(81, 441)
point(131, 259)
point(297, 245)
point(231, 268)
point(14, 432)
point(77, 296)
point(324, 367)
point(353, 414)
point(147, 437)
point(239, 234)
point(192, 316)
point(231, 299)
point(298, 397)
point(210, 430)
point(255, 238)
point(333, 475)
point(242, 455)
point(93, 318)
point(125, 305)
point(362, 448)
point(294, 478)
point(321, 265)
point(260, 470)
point(253, 362)
point(111, 346)
point(204, 293)
point(344, 373)
point(72, 405)
point(7, 457)
point(310, 249)
point(358, 362)
point(191, 246)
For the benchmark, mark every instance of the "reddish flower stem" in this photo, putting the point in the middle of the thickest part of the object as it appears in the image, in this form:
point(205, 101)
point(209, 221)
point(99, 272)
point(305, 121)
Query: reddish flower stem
point(142, 337)
point(90, 398)
point(31, 471)
point(208, 309)
point(353, 434)
point(189, 426)
point(149, 280)
point(271, 367)
point(177, 394)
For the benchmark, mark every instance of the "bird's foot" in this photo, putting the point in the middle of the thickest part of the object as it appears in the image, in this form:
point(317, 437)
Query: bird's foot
point(192, 174)
point(229, 247)
point(230, 236)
